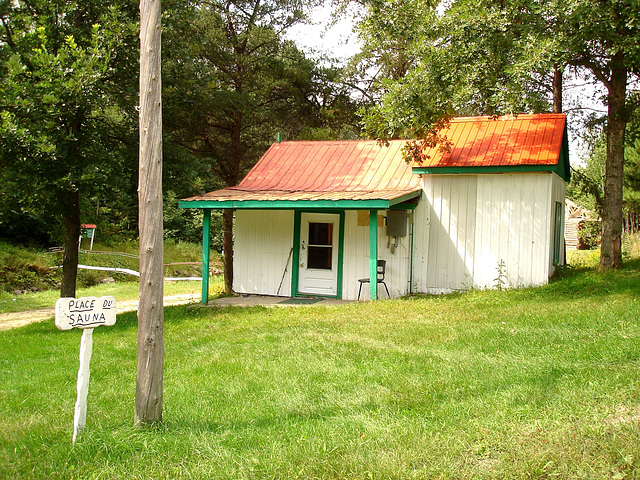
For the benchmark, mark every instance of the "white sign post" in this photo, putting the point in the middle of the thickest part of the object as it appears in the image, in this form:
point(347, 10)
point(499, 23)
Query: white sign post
point(85, 313)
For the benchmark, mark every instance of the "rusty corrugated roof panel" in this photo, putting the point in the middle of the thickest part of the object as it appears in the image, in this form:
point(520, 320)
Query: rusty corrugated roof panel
point(324, 171)
point(503, 141)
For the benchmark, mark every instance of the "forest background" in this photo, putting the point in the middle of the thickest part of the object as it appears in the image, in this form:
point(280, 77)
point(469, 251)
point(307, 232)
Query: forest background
point(233, 78)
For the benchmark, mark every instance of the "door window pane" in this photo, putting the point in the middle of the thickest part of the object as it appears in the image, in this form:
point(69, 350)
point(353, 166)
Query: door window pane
point(320, 247)
point(319, 257)
point(320, 233)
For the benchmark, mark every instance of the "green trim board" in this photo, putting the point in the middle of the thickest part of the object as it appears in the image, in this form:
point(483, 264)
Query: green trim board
point(295, 265)
point(311, 205)
point(206, 251)
point(564, 164)
point(373, 254)
point(398, 201)
point(557, 232)
point(295, 268)
point(491, 169)
point(340, 256)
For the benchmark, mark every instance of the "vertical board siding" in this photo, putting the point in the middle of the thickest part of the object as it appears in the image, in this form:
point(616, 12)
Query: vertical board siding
point(463, 228)
point(356, 260)
point(466, 226)
point(444, 234)
point(263, 243)
point(421, 247)
point(356, 256)
point(513, 228)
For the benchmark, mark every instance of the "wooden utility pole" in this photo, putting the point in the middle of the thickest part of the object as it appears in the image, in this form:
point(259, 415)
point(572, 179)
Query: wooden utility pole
point(149, 382)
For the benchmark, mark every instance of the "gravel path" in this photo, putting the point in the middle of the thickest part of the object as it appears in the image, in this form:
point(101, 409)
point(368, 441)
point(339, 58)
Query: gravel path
point(18, 319)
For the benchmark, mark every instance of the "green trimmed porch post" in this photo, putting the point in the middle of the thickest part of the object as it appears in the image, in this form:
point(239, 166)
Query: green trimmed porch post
point(295, 259)
point(206, 248)
point(373, 254)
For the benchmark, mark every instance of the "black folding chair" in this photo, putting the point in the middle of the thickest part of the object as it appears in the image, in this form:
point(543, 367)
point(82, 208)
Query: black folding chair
point(381, 269)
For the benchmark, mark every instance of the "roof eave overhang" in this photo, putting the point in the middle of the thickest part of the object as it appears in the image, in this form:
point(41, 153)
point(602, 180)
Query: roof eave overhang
point(401, 201)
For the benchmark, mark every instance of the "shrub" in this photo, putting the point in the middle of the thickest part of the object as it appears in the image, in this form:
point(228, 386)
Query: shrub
point(584, 258)
point(589, 233)
point(16, 275)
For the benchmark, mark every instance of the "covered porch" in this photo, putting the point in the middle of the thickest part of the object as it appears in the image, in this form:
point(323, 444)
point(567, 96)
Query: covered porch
point(307, 249)
point(310, 216)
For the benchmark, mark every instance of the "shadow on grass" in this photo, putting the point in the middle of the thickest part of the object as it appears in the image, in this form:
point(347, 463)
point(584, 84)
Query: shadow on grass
point(570, 284)
point(178, 314)
point(311, 414)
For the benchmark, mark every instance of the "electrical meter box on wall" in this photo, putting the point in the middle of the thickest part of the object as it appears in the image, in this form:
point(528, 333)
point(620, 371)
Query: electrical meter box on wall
point(396, 223)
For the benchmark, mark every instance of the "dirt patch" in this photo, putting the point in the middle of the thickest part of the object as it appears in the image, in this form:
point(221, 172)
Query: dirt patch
point(624, 414)
point(18, 319)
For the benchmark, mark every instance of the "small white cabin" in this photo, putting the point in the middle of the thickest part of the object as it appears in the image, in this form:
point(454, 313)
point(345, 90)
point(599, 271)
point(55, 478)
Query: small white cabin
point(313, 218)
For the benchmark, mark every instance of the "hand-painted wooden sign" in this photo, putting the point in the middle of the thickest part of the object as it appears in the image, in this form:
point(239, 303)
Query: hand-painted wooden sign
point(85, 313)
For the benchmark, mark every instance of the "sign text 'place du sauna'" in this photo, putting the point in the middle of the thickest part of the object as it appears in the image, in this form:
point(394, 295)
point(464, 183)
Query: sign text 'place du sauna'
point(86, 312)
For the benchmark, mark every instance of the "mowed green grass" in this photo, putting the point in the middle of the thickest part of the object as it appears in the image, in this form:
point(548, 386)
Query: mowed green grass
point(533, 383)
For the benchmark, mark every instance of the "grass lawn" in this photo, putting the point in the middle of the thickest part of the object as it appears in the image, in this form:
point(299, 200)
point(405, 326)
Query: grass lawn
point(532, 383)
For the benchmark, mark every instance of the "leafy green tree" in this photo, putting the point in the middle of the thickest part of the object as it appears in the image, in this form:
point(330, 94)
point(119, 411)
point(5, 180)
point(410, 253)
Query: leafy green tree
point(587, 181)
point(632, 178)
point(464, 61)
point(232, 82)
point(482, 57)
point(391, 33)
point(67, 72)
point(601, 38)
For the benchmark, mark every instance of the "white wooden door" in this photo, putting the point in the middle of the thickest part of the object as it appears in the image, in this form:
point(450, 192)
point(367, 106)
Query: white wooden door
point(318, 269)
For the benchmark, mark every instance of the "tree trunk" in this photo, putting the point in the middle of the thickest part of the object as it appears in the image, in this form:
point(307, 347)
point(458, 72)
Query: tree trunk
point(611, 245)
point(227, 247)
point(231, 179)
point(557, 89)
point(71, 239)
point(149, 381)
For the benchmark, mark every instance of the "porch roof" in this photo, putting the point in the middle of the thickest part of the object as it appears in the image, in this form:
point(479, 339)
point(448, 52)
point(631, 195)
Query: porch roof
point(321, 175)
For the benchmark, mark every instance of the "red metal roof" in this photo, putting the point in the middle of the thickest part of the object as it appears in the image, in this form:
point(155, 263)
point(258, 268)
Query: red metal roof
point(365, 170)
point(329, 170)
point(520, 140)
point(347, 166)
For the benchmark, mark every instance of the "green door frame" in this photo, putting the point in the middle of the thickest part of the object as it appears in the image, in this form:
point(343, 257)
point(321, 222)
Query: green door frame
point(295, 270)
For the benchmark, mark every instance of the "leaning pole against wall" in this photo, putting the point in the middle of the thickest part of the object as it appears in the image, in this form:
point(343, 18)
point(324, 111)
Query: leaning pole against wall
point(149, 381)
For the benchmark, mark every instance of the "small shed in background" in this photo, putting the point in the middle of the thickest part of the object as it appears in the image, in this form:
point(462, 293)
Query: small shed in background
point(575, 218)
